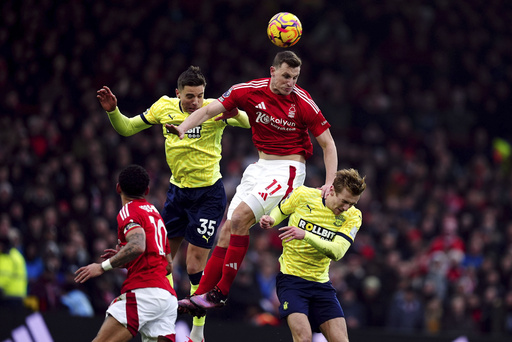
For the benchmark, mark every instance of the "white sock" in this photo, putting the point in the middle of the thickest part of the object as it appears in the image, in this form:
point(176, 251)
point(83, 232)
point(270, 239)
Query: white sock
point(197, 333)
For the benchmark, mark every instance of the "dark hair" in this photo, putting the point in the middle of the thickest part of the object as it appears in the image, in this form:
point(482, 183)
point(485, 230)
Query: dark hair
point(287, 57)
point(133, 180)
point(191, 77)
point(351, 180)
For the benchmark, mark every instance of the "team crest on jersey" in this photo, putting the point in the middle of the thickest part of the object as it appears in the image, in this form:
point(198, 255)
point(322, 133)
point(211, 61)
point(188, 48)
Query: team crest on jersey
point(292, 111)
point(339, 220)
point(194, 133)
point(325, 234)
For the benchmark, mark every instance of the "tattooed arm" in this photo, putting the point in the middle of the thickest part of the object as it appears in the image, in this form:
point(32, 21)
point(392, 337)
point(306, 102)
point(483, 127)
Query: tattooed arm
point(135, 246)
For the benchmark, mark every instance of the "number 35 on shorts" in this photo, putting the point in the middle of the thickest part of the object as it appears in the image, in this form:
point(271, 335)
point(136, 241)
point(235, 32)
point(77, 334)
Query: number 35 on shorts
point(207, 228)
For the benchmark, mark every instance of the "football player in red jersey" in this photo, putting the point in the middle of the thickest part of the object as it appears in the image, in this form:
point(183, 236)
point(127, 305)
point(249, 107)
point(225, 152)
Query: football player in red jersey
point(281, 115)
point(147, 303)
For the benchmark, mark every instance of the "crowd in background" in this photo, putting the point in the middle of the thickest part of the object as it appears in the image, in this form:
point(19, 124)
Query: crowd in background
point(417, 92)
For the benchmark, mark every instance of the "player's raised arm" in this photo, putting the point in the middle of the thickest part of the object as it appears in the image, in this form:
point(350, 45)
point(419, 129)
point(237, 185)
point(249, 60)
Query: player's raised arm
point(328, 146)
point(197, 118)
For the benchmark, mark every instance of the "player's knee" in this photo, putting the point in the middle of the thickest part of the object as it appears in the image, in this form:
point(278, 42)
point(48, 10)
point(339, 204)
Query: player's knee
point(241, 222)
point(303, 337)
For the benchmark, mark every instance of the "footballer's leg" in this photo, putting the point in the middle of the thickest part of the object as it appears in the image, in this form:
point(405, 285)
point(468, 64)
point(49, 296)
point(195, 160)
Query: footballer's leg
point(112, 331)
point(213, 269)
point(335, 330)
point(196, 261)
point(299, 327)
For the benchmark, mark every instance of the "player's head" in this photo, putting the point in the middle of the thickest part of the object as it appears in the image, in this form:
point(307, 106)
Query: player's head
point(284, 72)
point(133, 182)
point(190, 91)
point(345, 191)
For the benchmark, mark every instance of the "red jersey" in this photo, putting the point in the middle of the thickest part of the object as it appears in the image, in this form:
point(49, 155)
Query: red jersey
point(149, 269)
point(279, 123)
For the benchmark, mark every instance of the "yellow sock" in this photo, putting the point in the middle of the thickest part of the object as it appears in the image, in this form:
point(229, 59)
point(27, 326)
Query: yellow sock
point(196, 321)
point(171, 281)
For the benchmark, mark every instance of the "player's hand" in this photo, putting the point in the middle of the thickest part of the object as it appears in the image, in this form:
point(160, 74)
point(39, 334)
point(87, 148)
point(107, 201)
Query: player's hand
point(169, 264)
point(107, 99)
point(325, 190)
point(175, 130)
point(266, 222)
point(290, 233)
point(87, 272)
point(109, 253)
point(227, 114)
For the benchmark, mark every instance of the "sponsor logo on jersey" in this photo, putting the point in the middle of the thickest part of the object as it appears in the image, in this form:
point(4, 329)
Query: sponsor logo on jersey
point(280, 124)
point(292, 111)
point(324, 233)
point(310, 209)
point(263, 195)
point(194, 133)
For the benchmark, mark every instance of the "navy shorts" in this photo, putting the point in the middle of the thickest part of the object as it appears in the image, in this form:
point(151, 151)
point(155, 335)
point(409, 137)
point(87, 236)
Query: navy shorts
point(195, 213)
point(317, 301)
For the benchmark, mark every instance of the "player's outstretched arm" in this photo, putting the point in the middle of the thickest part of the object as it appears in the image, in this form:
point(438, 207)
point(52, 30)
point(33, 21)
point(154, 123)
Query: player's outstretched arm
point(122, 124)
point(195, 119)
point(135, 246)
point(235, 117)
point(328, 146)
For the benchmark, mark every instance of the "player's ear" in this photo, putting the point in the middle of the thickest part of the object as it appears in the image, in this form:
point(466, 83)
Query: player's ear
point(272, 70)
point(118, 189)
point(177, 93)
point(146, 192)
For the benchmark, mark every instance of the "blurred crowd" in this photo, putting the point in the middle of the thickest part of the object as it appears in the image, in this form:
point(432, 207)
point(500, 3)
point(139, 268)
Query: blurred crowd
point(417, 93)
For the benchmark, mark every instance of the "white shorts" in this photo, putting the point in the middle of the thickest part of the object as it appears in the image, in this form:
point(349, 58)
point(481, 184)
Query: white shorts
point(265, 183)
point(150, 311)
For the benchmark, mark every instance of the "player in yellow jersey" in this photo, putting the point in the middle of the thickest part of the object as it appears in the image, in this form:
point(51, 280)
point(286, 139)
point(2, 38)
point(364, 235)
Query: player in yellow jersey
point(196, 199)
point(320, 230)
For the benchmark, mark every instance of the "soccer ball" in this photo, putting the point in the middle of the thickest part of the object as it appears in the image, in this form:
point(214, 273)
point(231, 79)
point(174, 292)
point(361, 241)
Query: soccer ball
point(284, 29)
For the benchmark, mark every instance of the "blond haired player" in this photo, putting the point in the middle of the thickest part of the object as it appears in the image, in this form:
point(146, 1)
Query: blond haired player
point(320, 230)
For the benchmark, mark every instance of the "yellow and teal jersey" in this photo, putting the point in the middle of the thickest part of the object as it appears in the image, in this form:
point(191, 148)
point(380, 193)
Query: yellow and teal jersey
point(306, 210)
point(194, 161)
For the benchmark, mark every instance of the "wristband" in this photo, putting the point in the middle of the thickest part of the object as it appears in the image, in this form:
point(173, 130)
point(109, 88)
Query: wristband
point(106, 265)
